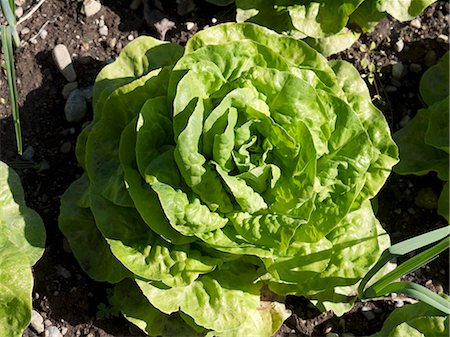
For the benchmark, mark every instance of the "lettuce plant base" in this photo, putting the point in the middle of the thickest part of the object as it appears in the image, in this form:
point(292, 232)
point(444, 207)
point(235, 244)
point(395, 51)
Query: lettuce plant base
point(63, 294)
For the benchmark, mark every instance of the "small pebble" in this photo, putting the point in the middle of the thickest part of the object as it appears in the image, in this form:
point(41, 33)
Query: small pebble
point(430, 58)
point(426, 198)
point(61, 270)
point(87, 92)
point(214, 20)
point(390, 89)
point(405, 120)
point(25, 31)
point(52, 331)
point(103, 31)
point(130, 37)
point(369, 315)
point(119, 47)
point(101, 23)
point(63, 61)
point(19, 12)
point(33, 41)
point(43, 34)
point(2, 100)
point(415, 23)
point(19, 3)
point(332, 334)
point(66, 147)
point(397, 70)
point(44, 165)
point(396, 83)
point(37, 322)
point(91, 7)
point(28, 154)
point(76, 107)
point(135, 4)
point(190, 25)
point(398, 211)
point(443, 38)
point(64, 330)
point(112, 42)
point(399, 303)
point(68, 88)
point(415, 68)
point(411, 211)
point(48, 323)
point(399, 45)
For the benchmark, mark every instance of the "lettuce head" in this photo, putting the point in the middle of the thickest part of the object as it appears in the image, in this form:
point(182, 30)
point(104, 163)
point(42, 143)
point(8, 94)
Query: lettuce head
point(225, 172)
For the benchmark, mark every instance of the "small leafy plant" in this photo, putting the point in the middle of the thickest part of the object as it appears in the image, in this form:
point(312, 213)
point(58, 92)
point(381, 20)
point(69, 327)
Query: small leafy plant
point(22, 241)
point(328, 26)
point(221, 174)
point(424, 141)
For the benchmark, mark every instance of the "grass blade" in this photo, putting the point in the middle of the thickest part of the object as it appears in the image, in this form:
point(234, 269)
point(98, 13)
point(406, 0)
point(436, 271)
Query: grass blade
point(7, 48)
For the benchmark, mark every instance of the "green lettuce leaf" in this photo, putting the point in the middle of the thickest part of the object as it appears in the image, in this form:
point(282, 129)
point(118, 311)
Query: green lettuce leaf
point(22, 242)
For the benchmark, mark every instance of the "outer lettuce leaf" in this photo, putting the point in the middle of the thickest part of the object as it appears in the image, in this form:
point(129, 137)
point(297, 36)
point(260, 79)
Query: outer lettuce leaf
point(417, 319)
point(323, 23)
point(434, 83)
point(128, 298)
point(417, 157)
point(16, 284)
point(405, 10)
point(226, 301)
point(19, 225)
point(22, 241)
point(88, 245)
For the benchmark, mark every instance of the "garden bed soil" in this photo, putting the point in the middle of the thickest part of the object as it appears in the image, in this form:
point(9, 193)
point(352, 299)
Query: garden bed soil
point(63, 294)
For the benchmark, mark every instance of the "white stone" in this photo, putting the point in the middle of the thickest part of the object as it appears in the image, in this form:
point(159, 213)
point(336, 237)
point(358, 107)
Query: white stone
point(37, 322)
point(63, 61)
point(103, 31)
point(43, 34)
point(399, 45)
point(190, 25)
point(19, 12)
point(415, 23)
point(91, 7)
point(53, 331)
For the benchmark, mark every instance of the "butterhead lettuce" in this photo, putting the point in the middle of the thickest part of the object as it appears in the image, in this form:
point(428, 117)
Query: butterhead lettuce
point(217, 174)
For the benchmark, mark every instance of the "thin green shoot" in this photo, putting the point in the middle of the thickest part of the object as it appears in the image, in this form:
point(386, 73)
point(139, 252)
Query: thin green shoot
point(7, 49)
point(9, 35)
point(386, 283)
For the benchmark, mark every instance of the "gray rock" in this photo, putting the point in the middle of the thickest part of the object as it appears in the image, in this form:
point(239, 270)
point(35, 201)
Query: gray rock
point(68, 88)
point(28, 154)
point(397, 70)
point(369, 315)
point(63, 61)
point(52, 331)
point(112, 43)
point(19, 3)
point(37, 322)
point(190, 25)
point(76, 107)
point(405, 120)
point(91, 7)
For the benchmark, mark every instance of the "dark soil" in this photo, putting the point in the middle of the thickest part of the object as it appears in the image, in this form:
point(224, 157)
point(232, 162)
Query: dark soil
point(68, 298)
